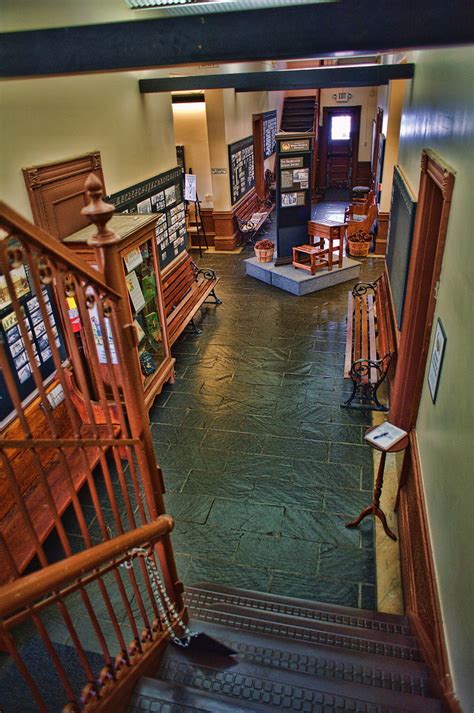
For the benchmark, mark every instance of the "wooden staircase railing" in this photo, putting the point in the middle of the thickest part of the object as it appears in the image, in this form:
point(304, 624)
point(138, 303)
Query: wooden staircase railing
point(77, 465)
point(26, 598)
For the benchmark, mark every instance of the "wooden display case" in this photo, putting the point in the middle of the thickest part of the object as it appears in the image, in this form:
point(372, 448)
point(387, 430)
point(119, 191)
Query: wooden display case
point(141, 287)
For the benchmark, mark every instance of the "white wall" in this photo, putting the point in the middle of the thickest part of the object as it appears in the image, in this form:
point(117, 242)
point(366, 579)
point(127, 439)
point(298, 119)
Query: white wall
point(44, 120)
point(438, 114)
point(190, 130)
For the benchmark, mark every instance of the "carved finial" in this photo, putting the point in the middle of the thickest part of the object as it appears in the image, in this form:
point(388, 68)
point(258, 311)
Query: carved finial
point(99, 212)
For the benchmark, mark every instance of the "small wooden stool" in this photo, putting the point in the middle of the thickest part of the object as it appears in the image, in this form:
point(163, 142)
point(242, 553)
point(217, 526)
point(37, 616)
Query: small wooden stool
point(315, 255)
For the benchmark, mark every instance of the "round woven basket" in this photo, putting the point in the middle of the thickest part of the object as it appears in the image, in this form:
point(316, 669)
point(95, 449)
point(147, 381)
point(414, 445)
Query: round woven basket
point(264, 255)
point(358, 249)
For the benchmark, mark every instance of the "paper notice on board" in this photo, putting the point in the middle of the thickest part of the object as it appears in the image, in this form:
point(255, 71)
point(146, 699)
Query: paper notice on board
point(135, 291)
point(189, 187)
point(99, 339)
point(133, 259)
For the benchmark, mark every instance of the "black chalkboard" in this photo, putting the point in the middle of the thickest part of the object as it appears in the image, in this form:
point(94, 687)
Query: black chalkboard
point(161, 194)
point(269, 133)
point(242, 168)
point(180, 158)
point(400, 232)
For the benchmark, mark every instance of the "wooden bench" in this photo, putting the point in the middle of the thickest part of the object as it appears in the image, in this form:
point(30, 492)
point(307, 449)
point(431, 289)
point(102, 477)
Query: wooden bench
point(371, 345)
point(359, 208)
point(251, 214)
point(362, 222)
point(185, 289)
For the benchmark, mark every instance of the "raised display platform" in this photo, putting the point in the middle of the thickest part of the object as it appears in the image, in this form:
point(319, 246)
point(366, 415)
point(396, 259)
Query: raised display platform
point(300, 282)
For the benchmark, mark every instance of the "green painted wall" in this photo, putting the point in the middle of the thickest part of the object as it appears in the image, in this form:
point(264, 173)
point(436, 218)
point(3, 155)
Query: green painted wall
point(438, 114)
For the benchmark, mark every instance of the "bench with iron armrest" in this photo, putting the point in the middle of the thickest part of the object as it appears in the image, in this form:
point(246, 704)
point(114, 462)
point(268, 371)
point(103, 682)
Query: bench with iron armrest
point(186, 288)
point(251, 214)
point(371, 345)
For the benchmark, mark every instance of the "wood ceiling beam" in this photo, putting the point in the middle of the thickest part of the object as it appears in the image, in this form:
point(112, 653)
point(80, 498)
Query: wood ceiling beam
point(321, 78)
point(319, 30)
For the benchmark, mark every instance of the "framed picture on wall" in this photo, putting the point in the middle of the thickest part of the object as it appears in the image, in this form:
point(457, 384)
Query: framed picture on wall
point(436, 361)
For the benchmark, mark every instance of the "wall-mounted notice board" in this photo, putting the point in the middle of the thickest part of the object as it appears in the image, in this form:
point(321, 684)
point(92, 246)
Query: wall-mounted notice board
point(242, 168)
point(14, 345)
point(269, 133)
point(161, 194)
point(400, 232)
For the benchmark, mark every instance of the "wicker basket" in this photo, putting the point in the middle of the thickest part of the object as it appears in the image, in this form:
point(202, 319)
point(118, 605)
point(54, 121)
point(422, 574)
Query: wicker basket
point(358, 249)
point(264, 255)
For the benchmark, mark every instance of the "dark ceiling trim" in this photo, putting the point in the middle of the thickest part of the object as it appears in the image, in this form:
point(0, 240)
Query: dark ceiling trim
point(292, 32)
point(187, 98)
point(320, 78)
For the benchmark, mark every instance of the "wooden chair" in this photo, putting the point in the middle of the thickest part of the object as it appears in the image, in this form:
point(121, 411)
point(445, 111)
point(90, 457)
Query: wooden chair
point(365, 223)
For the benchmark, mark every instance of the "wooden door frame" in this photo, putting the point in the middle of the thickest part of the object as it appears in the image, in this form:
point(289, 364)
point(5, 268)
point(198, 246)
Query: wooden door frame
point(327, 112)
point(259, 161)
point(435, 190)
point(377, 124)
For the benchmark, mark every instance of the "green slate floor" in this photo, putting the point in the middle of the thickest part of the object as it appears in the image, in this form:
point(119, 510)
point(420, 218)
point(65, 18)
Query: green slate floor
point(262, 467)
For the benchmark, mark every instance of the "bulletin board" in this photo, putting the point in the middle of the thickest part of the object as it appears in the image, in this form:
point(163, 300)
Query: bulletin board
point(269, 133)
point(162, 194)
point(242, 168)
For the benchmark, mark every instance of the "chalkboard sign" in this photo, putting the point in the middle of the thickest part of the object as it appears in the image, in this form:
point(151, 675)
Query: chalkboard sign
point(161, 194)
point(269, 133)
point(242, 168)
point(400, 232)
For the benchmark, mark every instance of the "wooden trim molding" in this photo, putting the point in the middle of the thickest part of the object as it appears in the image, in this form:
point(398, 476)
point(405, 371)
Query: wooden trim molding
point(57, 193)
point(419, 577)
point(431, 223)
point(382, 234)
point(226, 235)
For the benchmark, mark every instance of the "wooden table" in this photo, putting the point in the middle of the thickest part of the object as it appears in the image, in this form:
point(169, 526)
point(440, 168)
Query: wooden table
point(321, 230)
point(374, 508)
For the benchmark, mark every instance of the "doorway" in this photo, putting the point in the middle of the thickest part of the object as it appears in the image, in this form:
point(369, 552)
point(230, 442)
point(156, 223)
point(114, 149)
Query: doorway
point(339, 147)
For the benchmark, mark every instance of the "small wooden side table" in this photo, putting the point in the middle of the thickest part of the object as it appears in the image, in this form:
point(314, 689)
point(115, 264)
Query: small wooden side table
point(317, 258)
point(374, 508)
point(321, 230)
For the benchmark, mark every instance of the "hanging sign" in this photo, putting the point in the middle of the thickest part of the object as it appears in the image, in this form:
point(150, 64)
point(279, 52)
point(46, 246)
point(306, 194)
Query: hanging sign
point(190, 187)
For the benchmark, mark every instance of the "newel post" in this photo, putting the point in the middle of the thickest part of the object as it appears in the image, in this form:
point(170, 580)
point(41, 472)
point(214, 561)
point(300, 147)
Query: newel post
point(106, 245)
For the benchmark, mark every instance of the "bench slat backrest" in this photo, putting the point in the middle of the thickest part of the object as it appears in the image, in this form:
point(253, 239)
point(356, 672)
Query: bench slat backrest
point(177, 283)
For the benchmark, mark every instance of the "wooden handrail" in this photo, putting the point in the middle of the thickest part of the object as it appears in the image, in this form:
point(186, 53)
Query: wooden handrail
point(40, 238)
point(27, 590)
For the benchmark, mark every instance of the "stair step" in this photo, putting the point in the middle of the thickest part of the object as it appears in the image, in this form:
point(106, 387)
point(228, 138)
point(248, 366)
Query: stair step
point(162, 697)
point(323, 661)
point(204, 593)
point(250, 683)
point(305, 630)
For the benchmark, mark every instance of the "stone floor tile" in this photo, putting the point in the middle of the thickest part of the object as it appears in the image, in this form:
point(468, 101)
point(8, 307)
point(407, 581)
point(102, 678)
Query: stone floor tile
point(346, 502)
point(236, 515)
point(277, 553)
point(345, 453)
point(188, 507)
point(228, 573)
point(317, 526)
point(334, 591)
point(224, 485)
point(233, 442)
point(350, 563)
point(295, 448)
point(204, 540)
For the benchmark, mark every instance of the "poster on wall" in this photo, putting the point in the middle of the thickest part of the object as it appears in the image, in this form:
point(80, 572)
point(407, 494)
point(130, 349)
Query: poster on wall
point(269, 133)
point(242, 168)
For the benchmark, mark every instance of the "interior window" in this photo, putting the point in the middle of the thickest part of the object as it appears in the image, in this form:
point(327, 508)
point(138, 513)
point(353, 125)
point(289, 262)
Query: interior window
point(341, 128)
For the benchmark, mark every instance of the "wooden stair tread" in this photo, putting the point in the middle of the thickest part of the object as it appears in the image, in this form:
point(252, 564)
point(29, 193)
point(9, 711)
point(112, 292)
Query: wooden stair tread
point(281, 689)
point(305, 606)
point(323, 661)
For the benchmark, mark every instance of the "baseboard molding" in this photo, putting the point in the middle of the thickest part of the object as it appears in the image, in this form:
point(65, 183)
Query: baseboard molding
point(419, 579)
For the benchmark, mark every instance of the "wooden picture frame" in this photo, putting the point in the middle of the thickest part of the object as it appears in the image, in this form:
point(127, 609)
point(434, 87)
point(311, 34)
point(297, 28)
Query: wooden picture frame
point(436, 360)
